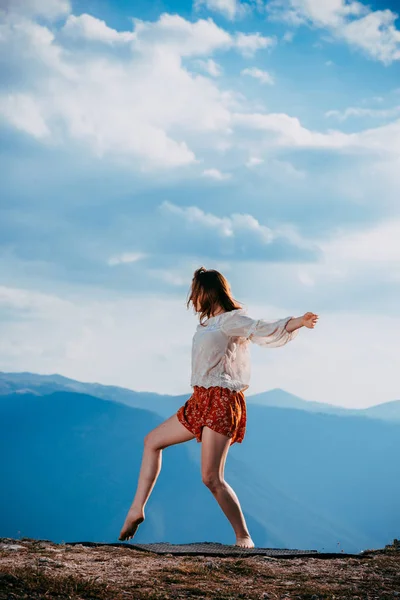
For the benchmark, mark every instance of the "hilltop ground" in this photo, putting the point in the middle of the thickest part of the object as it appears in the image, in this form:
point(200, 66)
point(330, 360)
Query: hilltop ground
point(36, 569)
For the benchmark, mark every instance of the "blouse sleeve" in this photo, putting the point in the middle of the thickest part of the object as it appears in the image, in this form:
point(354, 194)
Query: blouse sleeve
point(271, 334)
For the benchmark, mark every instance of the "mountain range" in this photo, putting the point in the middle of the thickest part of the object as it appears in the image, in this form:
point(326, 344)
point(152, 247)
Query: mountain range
point(305, 478)
point(165, 404)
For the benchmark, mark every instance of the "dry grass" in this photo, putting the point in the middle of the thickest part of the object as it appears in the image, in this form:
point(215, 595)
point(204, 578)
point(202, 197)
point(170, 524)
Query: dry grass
point(41, 569)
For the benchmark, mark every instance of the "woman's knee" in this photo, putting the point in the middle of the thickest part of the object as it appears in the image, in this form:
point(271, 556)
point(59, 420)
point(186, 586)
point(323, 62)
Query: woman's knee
point(212, 480)
point(150, 441)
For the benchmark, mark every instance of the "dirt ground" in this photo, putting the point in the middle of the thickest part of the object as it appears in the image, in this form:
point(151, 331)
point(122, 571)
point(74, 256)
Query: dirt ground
point(33, 569)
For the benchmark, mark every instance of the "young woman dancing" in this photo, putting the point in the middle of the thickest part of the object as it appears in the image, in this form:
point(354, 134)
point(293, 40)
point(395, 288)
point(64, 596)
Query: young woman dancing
point(215, 414)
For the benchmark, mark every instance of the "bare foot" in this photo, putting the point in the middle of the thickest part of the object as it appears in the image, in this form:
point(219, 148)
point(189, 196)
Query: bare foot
point(244, 542)
point(132, 522)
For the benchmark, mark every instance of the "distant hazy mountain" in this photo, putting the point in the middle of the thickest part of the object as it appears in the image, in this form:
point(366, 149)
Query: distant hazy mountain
point(69, 469)
point(282, 399)
point(345, 469)
point(70, 464)
point(165, 405)
point(388, 411)
point(31, 383)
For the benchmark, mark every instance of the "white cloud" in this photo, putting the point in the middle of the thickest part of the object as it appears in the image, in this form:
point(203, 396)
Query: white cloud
point(279, 170)
point(210, 67)
point(140, 103)
point(284, 130)
point(126, 257)
point(342, 351)
point(32, 52)
point(29, 300)
point(88, 27)
point(228, 8)
point(49, 9)
point(288, 131)
point(177, 36)
point(143, 105)
point(225, 226)
point(249, 44)
point(145, 108)
point(282, 10)
point(284, 168)
point(121, 108)
point(329, 13)
point(23, 112)
point(383, 140)
point(169, 276)
point(193, 214)
point(305, 278)
point(376, 35)
point(288, 36)
point(355, 260)
point(354, 111)
point(254, 161)
point(373, 32)
point(171, 33)
point(377, 244)
point(262, 76)
point(216, 174)
point(89, 340)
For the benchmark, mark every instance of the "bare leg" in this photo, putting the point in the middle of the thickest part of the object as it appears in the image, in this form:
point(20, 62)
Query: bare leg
point(166, 434)
point(214, 450)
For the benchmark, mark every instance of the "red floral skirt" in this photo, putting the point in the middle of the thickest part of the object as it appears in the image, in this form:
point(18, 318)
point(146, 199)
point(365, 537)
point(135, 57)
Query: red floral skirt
point(221, 409)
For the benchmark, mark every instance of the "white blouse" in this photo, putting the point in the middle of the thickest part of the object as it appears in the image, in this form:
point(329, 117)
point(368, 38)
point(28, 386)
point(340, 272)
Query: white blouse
point(221, 347)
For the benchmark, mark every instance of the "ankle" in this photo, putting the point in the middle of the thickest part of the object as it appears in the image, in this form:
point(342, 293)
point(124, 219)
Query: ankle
point(138, 510)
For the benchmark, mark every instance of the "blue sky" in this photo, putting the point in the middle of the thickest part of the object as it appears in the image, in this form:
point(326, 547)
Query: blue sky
point(141, 140)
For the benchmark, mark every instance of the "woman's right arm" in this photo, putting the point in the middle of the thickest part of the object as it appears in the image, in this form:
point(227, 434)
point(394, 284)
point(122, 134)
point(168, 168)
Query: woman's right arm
point(270, 334)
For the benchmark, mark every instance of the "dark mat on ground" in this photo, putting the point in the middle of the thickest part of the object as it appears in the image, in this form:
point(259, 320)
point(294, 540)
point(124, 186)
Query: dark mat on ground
point(216, 549)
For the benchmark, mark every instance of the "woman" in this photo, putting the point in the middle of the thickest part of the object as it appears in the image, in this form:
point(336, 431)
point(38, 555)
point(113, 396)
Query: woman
point(215, 413)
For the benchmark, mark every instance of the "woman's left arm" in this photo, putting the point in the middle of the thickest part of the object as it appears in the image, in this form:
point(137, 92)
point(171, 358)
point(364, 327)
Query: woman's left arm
point(309, 320)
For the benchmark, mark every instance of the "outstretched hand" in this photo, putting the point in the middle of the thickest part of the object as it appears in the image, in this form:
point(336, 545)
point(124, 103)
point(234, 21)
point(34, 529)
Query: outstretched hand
point(309, 320)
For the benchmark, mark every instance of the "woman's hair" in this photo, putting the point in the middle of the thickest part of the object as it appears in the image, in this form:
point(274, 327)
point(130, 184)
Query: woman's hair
point(210, 289)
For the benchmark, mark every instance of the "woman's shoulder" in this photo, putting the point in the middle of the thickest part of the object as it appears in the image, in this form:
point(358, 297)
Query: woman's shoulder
point(236, 311)
point(215, 322)
point(229, 314)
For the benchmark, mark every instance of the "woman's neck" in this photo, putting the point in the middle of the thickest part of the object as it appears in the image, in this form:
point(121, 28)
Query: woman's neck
point(221, 310)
